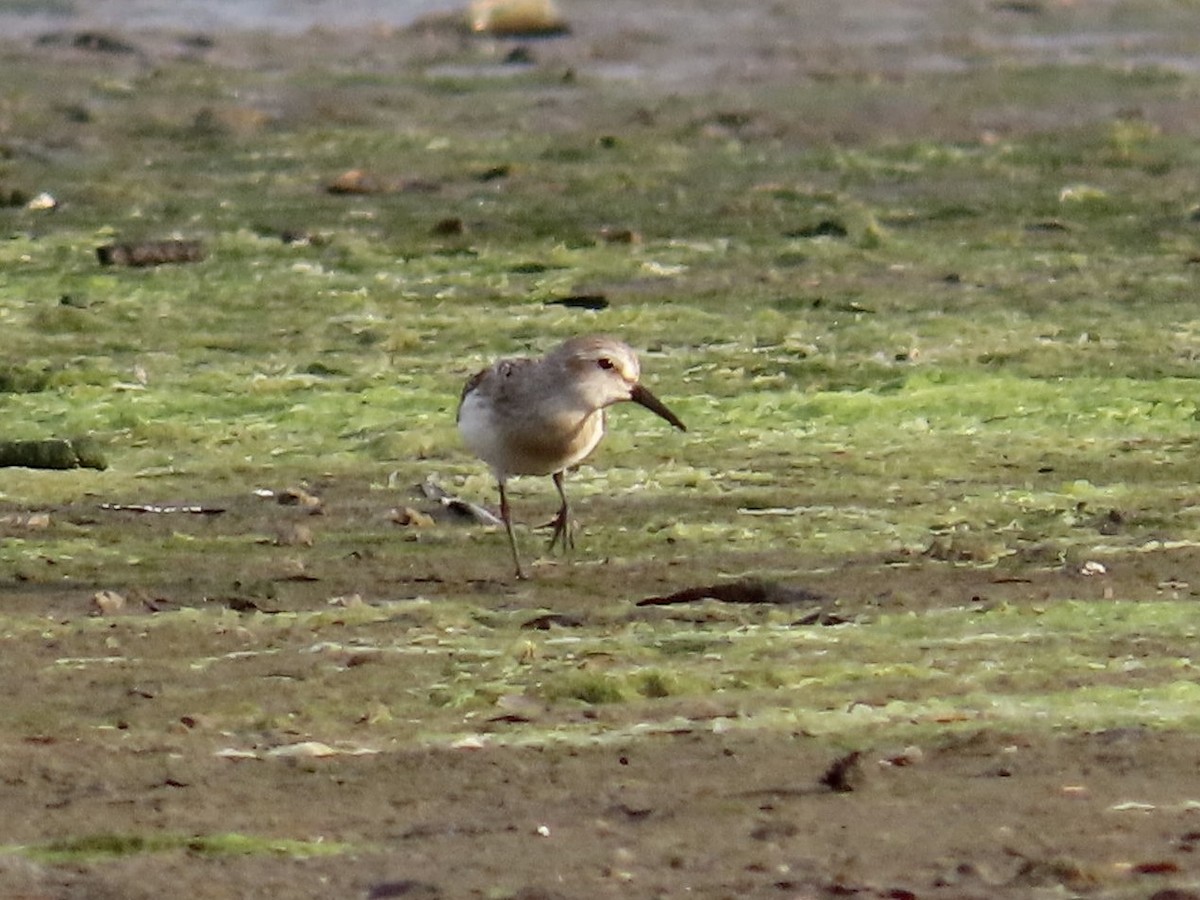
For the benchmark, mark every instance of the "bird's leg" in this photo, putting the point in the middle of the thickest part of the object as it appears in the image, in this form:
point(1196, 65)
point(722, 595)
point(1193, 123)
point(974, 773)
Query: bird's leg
point(562, 522)
point(506, 516)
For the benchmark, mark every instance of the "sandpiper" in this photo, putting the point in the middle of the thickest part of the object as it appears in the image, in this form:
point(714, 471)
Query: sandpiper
point(541, 416)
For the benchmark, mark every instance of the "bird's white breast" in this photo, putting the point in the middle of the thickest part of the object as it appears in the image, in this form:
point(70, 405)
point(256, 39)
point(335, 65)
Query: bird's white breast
point(539, 439)
point(476, 425)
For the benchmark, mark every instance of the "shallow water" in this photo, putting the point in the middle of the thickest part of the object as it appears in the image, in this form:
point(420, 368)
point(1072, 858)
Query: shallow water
point(908, 36)
point(214, 15)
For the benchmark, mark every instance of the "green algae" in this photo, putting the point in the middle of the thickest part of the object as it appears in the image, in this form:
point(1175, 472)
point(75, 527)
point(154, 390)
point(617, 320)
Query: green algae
point(1075, 663)
point(101, 847)
point(969, 348)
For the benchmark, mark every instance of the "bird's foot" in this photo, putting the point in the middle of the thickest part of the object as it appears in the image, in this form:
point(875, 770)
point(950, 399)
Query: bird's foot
point(564, 531)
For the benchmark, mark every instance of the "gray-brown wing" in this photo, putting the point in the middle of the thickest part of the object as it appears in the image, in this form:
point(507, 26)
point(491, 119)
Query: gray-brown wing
point(496, 381)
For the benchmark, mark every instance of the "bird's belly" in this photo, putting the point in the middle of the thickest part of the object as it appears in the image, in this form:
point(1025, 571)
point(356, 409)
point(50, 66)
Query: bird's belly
point(520, 447)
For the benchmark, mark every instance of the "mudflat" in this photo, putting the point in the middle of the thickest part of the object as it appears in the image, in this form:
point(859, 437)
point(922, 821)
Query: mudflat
point(907, 612)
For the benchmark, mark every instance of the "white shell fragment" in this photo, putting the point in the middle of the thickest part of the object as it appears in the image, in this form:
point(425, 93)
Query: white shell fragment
point(42, 202)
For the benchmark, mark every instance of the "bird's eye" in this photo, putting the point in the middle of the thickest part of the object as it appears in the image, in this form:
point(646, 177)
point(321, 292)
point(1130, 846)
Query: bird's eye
point(604, 362)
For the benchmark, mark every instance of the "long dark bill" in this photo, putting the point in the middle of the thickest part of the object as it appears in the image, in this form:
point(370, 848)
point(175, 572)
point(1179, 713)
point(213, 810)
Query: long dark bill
point(643, 397)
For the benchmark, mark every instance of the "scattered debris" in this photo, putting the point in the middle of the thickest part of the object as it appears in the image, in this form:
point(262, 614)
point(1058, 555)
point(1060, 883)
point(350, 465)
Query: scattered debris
point(92, 41)
point(581, 301)
point(517, 709)
point(163, 509)
point(412, 518)
point(107, 603)
point(909, 756)
point(377, 713)
point(33, 521)
point(43, 202)
point(360, 181)
point(434, 491)
point(53, 453)
point(159, 604)
point(451, 226)
point(1156, 867)
point(150, 253)
point(298, 497)
point(1175, 894)
point(530, 268)
point(821, 616)
point(846, 774)
point(1053, 871)
point(519, 56)
point(765, 592)
point(494, 173)
point(825, 228)
point(614, 235)
point(517, 18)
point(1024, 7)
point(406, 888)
point(1133, 806)
point(1081, 193)
point(552, 620)
point(356, 181)
point(295, 571)
point(302, 237)
point(232, 753)
point(1111, 522)
point(301, 750)
point(1047, 225)
point(199, 720)
point(309, 749)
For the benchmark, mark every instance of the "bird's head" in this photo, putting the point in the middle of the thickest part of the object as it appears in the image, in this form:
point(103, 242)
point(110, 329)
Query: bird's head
point(608, 372)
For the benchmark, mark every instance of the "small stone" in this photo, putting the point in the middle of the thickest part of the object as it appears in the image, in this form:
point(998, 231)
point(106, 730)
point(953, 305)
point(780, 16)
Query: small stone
point(304, 749)
point(516, 18)
point(298, 497)
point(31, 521)
point(107, 603)
point(411, 518)
point(909, 756)
point(356, 181)
point(41, 203)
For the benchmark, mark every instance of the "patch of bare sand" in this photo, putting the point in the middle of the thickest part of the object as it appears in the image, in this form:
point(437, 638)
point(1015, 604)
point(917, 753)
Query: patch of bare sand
point(691, 814)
